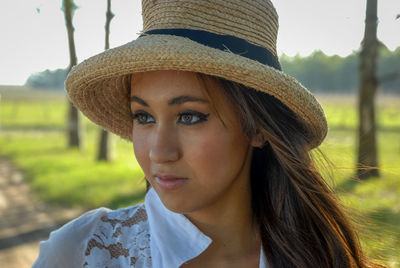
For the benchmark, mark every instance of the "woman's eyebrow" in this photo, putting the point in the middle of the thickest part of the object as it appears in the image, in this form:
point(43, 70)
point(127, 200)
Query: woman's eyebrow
point(139, 100)
point(174, 101)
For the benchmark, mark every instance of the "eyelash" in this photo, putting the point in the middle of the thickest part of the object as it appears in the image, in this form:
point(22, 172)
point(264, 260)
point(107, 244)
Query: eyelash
point(202, 117)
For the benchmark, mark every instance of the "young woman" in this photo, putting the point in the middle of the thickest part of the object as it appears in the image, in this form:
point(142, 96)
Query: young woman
point(224, 139)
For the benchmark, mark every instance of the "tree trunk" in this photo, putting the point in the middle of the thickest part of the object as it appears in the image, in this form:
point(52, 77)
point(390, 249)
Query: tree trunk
point(367, 147)
point(73, 125)
point(105, 144)
point(109, 17)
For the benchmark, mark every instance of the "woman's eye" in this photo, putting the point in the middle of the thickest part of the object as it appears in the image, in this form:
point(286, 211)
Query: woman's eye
point(143, 118)
point(192, 117)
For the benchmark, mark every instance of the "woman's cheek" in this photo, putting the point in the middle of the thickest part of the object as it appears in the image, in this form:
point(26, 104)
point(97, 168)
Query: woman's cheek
point(207, 152)
point(140, 150)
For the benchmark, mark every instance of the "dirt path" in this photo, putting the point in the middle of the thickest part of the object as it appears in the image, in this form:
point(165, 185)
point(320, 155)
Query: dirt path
point(24, 220)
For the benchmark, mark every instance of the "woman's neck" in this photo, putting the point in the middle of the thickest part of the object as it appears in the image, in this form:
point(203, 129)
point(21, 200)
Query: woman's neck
point(230, 225)
point(236, 242)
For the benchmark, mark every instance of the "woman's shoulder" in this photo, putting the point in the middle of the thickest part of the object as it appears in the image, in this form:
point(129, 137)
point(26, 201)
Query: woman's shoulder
point(97, 237)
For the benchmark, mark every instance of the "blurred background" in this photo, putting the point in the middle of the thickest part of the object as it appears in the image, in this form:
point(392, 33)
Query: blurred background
point(55, 164)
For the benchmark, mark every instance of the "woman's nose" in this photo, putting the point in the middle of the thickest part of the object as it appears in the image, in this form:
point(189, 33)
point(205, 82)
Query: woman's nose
point(165, 145)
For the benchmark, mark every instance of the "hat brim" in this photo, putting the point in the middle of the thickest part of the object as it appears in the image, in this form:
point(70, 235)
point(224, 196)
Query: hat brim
point(99, 86)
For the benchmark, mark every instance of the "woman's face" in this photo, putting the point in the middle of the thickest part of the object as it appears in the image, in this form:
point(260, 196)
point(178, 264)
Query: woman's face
point(192, 159)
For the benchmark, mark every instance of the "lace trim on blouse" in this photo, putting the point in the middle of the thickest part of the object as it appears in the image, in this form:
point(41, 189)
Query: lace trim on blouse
point(122, 239)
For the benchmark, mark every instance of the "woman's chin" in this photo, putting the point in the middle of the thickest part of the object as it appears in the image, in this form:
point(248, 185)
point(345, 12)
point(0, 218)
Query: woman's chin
point(176, 204)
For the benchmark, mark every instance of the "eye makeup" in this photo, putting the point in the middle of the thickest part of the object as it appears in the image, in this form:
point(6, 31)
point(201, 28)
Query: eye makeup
point(187, 117)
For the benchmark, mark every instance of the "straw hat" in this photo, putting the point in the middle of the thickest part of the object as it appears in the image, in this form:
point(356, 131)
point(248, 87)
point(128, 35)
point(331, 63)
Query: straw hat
point(233, 39)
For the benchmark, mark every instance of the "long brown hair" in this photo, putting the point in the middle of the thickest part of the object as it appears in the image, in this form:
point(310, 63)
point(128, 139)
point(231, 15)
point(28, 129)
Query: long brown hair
point(301, 223)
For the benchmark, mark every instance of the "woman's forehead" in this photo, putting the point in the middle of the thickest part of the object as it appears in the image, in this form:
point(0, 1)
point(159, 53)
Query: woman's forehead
point(167, 83)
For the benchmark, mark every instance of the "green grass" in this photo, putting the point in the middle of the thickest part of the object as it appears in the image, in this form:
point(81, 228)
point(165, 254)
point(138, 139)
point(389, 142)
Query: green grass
point(32, 135)
point(374, 203)
point(37, 114)
point(71, 177)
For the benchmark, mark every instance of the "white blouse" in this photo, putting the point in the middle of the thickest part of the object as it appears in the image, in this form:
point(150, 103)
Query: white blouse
point(142, 236)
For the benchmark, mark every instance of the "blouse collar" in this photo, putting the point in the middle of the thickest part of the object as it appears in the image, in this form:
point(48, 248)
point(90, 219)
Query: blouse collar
point(173, 236)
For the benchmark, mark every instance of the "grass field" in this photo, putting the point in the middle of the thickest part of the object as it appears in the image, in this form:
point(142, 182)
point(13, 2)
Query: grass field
point(374, 202)
point(32, 134)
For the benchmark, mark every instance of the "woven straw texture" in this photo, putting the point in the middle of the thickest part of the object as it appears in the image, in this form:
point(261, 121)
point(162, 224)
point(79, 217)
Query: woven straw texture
point(100, 86)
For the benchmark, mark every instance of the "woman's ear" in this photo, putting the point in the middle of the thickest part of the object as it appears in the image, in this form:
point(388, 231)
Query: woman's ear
point(258, 140)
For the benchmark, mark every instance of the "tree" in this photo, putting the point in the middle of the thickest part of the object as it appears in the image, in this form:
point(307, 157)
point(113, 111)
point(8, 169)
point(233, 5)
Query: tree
point(368, 82)
point(73, 127)
point(48, 79)
point(389, 76)
point(104, 153)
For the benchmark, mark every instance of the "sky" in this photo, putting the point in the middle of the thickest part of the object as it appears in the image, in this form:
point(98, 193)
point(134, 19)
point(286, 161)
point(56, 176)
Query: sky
point(33, 36)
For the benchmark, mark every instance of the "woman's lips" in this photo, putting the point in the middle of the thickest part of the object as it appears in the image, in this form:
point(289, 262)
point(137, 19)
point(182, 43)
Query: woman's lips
point(169, 182)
